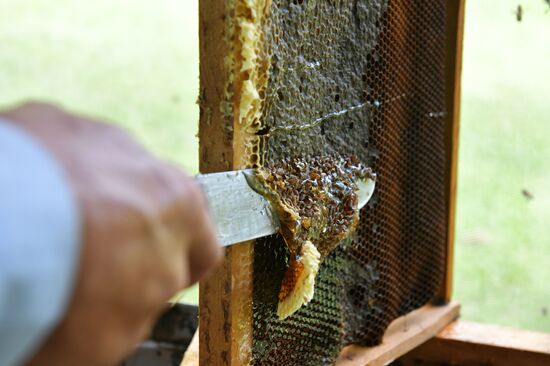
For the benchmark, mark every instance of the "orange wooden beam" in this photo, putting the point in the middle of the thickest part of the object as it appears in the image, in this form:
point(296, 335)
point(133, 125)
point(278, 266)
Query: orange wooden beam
point(467, 343)
point(403, 335)
point(453, 67)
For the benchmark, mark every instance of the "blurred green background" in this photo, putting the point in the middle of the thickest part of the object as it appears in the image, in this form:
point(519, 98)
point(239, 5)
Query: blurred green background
point(135, 62)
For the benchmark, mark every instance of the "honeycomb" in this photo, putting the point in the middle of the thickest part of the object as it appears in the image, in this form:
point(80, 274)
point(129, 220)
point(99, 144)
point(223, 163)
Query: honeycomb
point(340, 78)
point(315, 199)
point(317, 204)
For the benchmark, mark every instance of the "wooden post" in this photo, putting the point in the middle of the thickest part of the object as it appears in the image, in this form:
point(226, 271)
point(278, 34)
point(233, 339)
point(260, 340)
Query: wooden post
point(403, 335)
point(468, 343)
point(226, 297)
point(453, 70)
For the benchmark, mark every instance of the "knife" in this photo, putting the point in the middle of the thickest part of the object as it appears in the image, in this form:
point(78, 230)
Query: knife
point(241, 214)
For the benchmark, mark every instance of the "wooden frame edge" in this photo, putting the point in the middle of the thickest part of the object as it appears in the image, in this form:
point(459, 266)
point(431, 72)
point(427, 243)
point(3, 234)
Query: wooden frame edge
point(469, 343)
point(224, 307)
point(403, 335)
point(455, 25)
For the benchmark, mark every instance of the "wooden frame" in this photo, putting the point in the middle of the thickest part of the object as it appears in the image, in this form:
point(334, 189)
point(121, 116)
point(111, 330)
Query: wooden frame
point(453, 72)
point(468, 343)
point(459, 343)
point(403, 335)
point(225, 298)
point(225, 307)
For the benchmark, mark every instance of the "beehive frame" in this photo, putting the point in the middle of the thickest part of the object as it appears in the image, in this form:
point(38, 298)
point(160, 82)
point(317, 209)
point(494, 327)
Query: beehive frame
point(226, 298)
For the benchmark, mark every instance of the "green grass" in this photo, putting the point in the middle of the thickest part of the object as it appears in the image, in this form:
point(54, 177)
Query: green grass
point(135, 62)
point(129, 61)
point(503, 239)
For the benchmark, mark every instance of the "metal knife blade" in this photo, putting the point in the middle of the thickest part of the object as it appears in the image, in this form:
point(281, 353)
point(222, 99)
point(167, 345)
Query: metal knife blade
point(241, 214)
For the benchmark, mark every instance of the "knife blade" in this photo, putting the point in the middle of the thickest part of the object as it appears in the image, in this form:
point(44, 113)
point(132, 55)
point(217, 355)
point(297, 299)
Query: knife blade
point(240, 213)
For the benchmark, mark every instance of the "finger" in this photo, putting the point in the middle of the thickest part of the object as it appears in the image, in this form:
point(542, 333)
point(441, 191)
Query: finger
point(194, 224)
point(205, 252)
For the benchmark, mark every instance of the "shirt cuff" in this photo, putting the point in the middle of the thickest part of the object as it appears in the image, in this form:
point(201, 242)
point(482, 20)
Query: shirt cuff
point(39, 244)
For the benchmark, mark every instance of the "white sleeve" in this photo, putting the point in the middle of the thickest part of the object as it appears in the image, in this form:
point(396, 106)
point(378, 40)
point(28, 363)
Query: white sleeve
point(39, 244)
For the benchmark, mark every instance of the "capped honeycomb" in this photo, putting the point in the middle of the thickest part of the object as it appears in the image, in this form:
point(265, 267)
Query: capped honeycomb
point(314, 79)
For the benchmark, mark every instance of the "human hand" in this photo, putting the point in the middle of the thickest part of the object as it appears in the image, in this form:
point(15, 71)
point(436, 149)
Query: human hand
point(145, 235)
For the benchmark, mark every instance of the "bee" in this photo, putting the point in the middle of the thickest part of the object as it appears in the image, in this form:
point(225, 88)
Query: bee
point(519, 12)
point(528, 195)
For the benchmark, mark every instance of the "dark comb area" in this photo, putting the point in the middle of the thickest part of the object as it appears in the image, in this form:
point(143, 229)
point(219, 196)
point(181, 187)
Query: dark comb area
point(362, 78)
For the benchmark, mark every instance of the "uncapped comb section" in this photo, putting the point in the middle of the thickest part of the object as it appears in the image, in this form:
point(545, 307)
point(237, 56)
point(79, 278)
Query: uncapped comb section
point(248, 62)
point(316, 200)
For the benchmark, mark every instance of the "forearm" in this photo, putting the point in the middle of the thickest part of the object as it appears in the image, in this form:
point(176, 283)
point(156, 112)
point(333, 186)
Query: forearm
point(39, 244)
